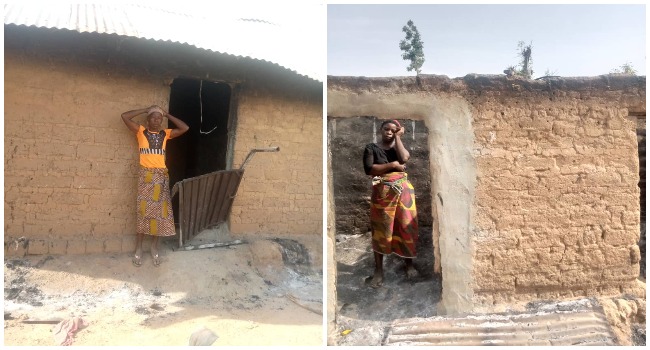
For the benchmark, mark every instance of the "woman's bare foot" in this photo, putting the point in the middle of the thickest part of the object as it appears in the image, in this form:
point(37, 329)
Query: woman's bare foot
point(155, 257)
point(377, 279)
point(137, 258)
point(411, 272)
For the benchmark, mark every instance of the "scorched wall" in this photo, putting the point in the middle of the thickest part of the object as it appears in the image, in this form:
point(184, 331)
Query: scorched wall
point(534, 183)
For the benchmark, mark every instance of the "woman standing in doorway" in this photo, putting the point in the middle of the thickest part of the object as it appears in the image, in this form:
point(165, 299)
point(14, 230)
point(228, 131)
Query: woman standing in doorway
point(393, 215)
point(155, 216)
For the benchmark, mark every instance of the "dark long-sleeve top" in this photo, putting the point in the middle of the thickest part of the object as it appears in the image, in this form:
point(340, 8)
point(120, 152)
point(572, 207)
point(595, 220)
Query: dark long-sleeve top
point(374, 154)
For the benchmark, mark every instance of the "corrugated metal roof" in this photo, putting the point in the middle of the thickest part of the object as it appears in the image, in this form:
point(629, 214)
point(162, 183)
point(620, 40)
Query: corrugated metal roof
point(584, 327)
point(296, 45)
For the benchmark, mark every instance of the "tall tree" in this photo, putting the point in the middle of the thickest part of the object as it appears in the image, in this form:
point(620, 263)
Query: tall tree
point(412, 46)
point(526, 55)
point(525, 68)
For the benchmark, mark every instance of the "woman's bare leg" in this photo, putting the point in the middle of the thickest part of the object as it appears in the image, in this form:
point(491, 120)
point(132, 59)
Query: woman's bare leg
point(154, 251)
point(378, 277)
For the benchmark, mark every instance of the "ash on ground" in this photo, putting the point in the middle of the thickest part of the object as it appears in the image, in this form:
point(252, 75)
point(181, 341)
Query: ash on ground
point(366, 312)
point(107, 288)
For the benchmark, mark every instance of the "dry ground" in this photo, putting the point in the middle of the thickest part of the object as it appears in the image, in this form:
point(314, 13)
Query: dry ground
point(367, 311)
point(364, 315)
point(245, 299)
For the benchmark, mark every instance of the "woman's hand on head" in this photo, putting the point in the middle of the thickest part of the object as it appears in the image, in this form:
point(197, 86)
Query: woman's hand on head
point(400, 132)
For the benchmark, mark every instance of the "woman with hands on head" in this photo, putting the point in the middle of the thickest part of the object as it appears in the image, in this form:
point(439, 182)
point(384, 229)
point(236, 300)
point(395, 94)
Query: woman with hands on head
point(154, 210)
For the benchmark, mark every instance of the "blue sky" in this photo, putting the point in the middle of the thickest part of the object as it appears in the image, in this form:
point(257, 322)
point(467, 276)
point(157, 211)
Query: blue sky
point(567, 40)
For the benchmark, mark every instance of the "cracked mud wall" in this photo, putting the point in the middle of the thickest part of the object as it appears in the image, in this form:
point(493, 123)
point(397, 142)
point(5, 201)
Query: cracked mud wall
point(551, 208)
point(557, 188)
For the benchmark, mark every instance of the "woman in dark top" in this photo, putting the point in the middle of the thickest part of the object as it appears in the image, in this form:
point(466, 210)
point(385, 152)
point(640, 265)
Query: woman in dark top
point(393, 215)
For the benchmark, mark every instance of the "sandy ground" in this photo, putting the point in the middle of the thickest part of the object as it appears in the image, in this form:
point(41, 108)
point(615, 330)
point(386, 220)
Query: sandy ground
point(220, 289)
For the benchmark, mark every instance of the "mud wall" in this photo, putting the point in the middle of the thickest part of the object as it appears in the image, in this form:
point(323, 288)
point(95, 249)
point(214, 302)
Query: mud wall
point(557, 196)
point(640, 136)
point(71, 164)
point(331, 263)
point(280, 193)
point(544, 201)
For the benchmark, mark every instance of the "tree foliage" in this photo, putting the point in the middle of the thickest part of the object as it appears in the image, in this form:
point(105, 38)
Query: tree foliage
point(549, 73)
point(526, 55)
point(525, 67)
point(413, 47)
point(625, 68)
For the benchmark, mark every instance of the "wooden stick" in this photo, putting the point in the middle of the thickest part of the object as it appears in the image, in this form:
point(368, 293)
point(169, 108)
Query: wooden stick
point(295, 300)
point(210, 245)
point(47, 321)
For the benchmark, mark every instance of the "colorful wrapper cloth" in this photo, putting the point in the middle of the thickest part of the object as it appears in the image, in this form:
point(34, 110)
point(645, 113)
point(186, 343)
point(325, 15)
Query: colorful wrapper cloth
point(393, 215)
point(155, 216)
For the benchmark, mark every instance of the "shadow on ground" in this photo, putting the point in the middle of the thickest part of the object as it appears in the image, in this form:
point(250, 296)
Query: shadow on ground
point(366, 312)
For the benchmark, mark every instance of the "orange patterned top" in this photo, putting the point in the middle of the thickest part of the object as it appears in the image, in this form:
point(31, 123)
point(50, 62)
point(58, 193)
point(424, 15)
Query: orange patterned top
point(152, 147)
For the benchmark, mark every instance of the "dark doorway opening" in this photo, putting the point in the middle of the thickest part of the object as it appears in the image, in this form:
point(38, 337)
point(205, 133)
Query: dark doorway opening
point(359, 306)
point(205, 107)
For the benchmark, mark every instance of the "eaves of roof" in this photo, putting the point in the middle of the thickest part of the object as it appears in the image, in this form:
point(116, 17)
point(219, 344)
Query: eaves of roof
point(244, 37)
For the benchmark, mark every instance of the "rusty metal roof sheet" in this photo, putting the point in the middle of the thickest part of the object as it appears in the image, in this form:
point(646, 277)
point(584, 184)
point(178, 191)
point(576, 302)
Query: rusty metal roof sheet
point(585, 326)
point(288, 42)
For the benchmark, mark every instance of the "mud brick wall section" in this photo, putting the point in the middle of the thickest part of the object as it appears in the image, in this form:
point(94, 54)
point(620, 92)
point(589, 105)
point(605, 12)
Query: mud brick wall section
point(557, 211)
point(280, 192)
point(71, 164)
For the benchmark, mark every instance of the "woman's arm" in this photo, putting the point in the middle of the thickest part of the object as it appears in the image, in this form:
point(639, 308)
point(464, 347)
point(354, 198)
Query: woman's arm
point(127, 116)
point(381, 169)
point(402, 154)
point(181, 126)
point(378, 169)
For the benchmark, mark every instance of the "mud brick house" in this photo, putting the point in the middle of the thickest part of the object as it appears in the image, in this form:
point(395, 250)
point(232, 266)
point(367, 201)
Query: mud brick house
point(70, 163)
point(535, 185)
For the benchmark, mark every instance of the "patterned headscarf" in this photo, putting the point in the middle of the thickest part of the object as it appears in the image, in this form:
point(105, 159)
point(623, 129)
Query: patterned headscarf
point(154, 110)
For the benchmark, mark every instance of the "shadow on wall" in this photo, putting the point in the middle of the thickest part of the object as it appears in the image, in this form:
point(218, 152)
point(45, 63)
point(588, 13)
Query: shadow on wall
point(352, 187)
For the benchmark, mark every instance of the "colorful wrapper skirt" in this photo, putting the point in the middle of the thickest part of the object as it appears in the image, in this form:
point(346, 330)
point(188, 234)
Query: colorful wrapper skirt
point(393, 215)
point(155, 216)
